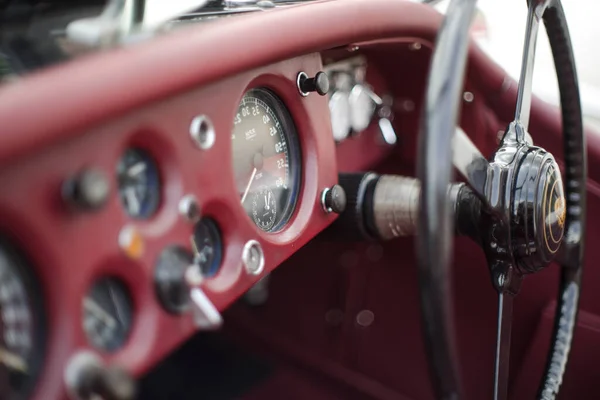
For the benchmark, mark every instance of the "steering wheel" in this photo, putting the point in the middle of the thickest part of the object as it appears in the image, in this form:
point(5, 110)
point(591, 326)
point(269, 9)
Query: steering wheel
point(524, 220)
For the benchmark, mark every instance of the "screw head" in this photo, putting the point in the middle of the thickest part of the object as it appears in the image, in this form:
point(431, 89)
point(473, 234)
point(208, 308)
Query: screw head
point(189, 208)
point(202, 132)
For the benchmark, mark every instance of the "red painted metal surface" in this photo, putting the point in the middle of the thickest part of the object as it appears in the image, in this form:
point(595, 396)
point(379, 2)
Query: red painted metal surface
point(70, 249)
point(86, 112)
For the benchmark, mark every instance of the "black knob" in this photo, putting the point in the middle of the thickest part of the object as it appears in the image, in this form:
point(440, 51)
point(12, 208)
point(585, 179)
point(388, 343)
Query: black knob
point(334, 199)
point(319, 84)
point(88, 190)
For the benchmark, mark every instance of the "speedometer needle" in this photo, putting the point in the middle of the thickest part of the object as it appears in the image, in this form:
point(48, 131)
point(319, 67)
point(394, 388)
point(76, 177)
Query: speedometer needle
point(249, 184)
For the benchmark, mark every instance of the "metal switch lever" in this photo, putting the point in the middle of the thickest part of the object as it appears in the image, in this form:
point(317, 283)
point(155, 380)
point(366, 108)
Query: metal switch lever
point(206, 315)
point(387, 131)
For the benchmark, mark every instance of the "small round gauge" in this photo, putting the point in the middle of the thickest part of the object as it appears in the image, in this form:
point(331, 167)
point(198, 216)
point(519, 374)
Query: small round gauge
point(208, 250)
point(107, 314)
point(21, 327)
point(264, 209)
point(139, 183)
point(169, 278)
point(339, 107)
point(266, 156)
point(362, 108)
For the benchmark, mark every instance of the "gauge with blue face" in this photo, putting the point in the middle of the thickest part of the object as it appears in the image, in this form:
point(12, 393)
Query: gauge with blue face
point(208, 250)
point(139, 183)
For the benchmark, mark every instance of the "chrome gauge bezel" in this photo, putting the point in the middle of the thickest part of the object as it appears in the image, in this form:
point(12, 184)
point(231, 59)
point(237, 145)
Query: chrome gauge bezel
point(152, 182)
point(10, 257)
point(290, 136)
point(121, 302)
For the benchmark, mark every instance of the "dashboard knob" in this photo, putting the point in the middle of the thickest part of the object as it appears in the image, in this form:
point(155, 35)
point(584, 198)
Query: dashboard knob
point(334, 199)
point(87, 378)
point(319, 84)
point(88, 190)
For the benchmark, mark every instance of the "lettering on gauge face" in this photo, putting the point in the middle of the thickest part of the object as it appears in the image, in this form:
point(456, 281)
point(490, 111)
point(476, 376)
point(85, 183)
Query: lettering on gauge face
point(250, 134)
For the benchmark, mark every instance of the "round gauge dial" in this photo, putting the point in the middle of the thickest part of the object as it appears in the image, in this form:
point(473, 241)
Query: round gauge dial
point(339, 107)
point(139, 183)
point(21, 328)
point(107, 314)
point(264, 208)
point(208, 251)
point(266, 159)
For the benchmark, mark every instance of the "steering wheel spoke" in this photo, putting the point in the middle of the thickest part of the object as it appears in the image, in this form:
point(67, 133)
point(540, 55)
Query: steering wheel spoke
point(469, 161)
point(535, 12)
point(507, 282)
point(502, 360)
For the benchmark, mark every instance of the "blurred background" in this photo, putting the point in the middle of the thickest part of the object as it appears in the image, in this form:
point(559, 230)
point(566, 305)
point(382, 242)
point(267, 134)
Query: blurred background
point(500, 30)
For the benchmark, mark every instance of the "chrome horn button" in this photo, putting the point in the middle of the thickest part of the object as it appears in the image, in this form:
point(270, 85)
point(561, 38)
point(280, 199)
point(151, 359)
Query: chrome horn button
point(538, 210)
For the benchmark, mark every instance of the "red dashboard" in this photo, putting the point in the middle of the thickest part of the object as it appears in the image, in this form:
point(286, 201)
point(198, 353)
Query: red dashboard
point(89, 247)
point(86, 113)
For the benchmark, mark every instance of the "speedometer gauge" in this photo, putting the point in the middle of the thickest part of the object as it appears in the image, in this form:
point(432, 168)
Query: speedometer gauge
point(266, 159)
point(21, 328)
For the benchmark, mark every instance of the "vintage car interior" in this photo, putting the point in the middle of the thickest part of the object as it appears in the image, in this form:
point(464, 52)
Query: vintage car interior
point(319, 199)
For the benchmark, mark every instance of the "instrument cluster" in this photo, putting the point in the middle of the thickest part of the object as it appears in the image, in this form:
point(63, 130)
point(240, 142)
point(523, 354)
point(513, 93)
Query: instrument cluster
point(158, 220)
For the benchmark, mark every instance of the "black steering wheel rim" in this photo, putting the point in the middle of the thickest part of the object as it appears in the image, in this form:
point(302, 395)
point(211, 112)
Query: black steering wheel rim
point(436, 227)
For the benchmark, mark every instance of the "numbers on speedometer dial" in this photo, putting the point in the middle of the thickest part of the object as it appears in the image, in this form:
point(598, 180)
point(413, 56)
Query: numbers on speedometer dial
point(21, 326)
point(266, 159)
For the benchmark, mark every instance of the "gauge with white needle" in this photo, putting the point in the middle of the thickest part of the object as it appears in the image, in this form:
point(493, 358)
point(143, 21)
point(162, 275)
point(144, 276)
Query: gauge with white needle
point(107, 314)
point(264, 208)
point(139, 183)
point(266, 159)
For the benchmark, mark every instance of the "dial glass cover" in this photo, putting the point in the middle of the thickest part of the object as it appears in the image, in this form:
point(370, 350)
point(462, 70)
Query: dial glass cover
point(21, 327)
point(266, 159)
point(107, 314)
point(139, 183)
point(208, 251)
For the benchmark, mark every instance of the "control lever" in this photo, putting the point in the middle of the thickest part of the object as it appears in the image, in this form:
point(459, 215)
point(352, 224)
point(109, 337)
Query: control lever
point(387, 206)
point(206, 315)
point(383, 109)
